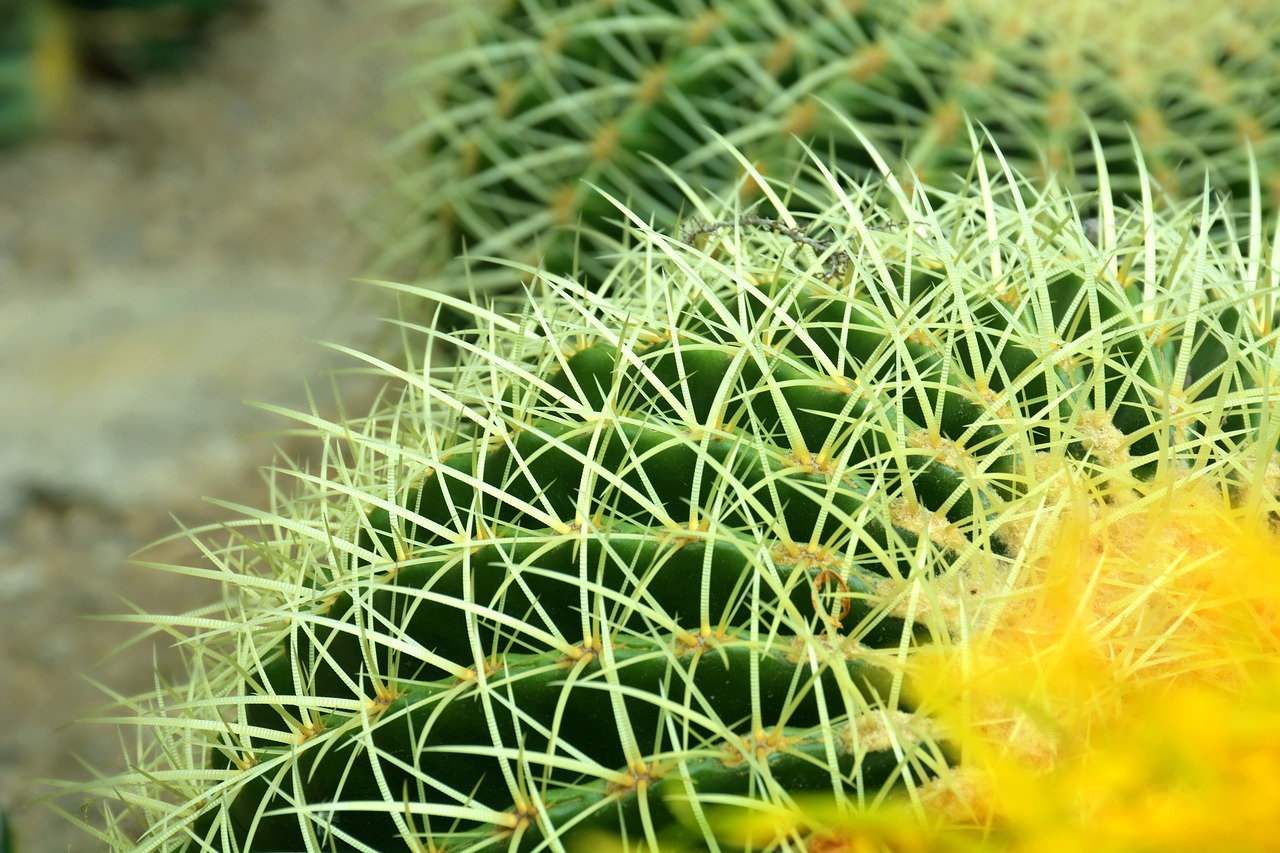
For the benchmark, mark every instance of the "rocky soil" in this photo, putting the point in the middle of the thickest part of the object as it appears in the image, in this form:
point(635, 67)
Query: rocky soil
point(165, 256)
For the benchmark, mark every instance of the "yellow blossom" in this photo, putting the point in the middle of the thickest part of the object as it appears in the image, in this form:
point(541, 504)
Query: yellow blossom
point(1125, 696)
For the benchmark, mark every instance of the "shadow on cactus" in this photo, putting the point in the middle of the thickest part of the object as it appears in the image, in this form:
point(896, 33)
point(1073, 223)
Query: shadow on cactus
point(667, 548)
point(549, 98)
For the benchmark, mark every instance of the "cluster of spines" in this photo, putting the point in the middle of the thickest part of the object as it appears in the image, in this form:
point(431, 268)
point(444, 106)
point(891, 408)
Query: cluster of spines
point(708, 508)
point(556, 100)
point(796, 414)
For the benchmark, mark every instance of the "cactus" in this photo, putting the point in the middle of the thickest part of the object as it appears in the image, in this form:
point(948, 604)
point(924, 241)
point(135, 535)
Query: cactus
point(37, 66)
point(6, 834)
point(125, 40)
point(664, 549)
point(548, 99)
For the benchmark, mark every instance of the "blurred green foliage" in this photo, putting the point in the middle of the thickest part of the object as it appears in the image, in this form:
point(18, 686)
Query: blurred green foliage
point(48, 46)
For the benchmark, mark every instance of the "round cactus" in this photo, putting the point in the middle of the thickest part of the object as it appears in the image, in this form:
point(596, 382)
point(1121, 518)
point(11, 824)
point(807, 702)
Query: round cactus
point(127, 39)
point(548, 99)
point(37, 66)
point(665, 548)
point(6, 834)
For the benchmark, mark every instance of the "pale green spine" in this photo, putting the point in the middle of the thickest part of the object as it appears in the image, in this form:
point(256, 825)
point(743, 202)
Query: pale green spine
point(551, 99)
point(664, 543)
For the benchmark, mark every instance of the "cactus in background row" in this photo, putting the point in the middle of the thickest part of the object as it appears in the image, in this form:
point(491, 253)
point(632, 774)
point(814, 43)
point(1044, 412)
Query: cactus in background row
point(126, 40)
point(45, 45)
point(549, 97)
point(665, 549)
point(37, 66)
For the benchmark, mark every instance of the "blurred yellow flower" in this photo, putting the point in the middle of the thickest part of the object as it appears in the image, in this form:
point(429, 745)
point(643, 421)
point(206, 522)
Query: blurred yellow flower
point(1124, 696)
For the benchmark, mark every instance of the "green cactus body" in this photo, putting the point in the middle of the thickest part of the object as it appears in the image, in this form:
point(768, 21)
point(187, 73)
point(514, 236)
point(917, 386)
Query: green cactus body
point(660, 549)
point(128, 39)
point(548, 700)
point(6, 834)
point(551, 98)
point(37, 66)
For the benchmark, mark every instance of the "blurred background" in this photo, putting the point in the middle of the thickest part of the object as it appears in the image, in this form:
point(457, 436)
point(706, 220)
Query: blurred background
point(186, 189)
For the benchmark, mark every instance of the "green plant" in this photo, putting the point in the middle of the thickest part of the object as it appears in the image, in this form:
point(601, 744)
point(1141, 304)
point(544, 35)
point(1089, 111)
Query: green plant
point(666, 549)
point(6, 834)
point(37, 66)
point(547, 100)
point(126, 40)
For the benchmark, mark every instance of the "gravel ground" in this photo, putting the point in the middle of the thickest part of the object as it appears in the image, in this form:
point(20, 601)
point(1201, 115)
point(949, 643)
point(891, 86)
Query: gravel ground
point(163, 257)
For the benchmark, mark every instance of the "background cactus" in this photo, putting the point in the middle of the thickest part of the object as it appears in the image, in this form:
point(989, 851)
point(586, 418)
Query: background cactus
point(664, 550)
point(549, 97)
point(46, 45)
point(37, 66)
point(128, 39)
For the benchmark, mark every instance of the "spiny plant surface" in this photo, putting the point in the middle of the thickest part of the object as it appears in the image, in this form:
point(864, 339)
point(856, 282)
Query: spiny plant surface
point(678, 548)
point(1122, 696)
point(546, 99)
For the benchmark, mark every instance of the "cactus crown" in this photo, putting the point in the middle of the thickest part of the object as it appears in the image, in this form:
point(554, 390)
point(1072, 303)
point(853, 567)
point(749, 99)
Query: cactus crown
point(668, 546)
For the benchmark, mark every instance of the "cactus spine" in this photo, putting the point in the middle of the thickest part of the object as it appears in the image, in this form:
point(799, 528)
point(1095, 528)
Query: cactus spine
point(667, 549)
point(553, 98)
